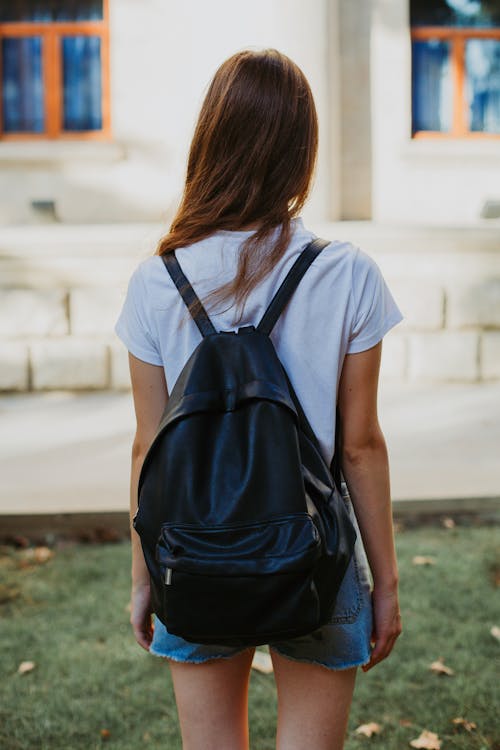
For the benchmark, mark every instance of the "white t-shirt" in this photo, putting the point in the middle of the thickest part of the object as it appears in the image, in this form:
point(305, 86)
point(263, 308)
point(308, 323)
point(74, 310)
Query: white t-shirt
point(341, 306)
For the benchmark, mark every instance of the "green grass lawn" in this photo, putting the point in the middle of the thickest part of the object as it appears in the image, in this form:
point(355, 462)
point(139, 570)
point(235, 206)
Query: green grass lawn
point(68, 615)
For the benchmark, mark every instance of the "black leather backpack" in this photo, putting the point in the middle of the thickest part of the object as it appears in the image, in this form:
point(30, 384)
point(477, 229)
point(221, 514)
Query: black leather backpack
point(244, 531)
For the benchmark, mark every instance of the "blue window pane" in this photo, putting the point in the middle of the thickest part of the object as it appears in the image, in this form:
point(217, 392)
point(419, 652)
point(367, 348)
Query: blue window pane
point(482, 63)
point(478, 13)
point(22, 85)
point(431, 86)
point(51, 10)
point(81, 57)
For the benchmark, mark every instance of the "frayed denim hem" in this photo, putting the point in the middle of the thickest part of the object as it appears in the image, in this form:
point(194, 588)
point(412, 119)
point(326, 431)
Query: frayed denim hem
point(197, 660)
point(332, 667)
point(202, 660)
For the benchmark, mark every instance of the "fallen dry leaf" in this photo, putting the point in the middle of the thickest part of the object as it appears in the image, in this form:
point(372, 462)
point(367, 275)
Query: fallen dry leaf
point(449, 523)
point(427, 740)
point(262, 662)
point(495, 632)
point(439, 667)
point(405, 723)
point(423, 560)
point(26, 666)
point(368, 729)
point(35, 556)
point(42, 554)
point(105, 734)
point(468, 725)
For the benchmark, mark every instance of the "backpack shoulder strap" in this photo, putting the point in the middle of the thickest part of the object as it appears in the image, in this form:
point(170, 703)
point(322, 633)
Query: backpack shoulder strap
point(277, 304)
point(188, 294)
point(289, 284)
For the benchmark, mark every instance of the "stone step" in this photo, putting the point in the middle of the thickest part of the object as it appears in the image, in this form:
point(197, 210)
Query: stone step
point(453, 254)
point(105, 254)
point(72, 256)
point(62, 287)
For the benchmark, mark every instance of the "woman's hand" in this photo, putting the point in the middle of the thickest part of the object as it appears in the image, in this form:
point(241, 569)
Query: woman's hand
point(386, 624)
point(140, 614)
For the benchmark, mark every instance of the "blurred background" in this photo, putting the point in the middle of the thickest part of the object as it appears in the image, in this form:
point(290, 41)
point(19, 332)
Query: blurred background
point(98, 104)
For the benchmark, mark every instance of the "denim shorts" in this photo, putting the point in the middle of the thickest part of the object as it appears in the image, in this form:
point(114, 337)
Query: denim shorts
point(342, 643)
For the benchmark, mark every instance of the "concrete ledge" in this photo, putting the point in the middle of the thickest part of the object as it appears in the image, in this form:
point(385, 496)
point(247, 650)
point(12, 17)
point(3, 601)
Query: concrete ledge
point(93, 526)
point(113, 526)
point(451, 506)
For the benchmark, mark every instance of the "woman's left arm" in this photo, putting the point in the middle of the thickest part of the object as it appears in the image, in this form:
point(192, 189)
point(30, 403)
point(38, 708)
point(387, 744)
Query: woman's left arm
point(150, 394)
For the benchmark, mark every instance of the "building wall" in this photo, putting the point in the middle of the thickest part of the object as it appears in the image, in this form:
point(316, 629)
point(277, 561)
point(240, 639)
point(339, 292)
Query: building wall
point(163, 56)
point(62, 287)
point(419, 182)
point(354, 21)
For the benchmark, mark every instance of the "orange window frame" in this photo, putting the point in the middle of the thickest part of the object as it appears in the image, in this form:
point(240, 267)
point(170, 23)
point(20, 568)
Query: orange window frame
point(51, 33)
point(457, 38)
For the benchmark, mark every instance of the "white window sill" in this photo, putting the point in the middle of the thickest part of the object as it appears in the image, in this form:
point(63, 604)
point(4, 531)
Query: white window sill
point(47, 152)
point(489, 148)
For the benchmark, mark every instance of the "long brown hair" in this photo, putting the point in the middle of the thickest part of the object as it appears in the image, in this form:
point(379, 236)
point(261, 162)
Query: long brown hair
point(251, 161)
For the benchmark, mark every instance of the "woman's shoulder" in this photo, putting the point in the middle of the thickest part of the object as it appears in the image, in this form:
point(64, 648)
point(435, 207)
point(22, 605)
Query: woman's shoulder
point(149, 279)
point(348, 256)
point(149, 267)
point(339, 250)
point(342, 258)
point(144, 270)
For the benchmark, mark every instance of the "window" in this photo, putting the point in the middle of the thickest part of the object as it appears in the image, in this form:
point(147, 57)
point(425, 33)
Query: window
point(54, 69)
point(455, 68)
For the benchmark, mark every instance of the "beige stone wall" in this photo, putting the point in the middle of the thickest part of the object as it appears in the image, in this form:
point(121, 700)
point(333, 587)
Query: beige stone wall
point(61, 290)
point(447, 285)
point(57, 317)
point(354, 112)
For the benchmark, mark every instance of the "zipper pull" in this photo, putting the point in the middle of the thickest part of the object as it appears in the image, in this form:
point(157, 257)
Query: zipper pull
point(168, 576)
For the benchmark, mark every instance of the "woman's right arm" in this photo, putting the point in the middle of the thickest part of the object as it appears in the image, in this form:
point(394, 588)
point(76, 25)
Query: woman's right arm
point(366, 470)
point(149, 390)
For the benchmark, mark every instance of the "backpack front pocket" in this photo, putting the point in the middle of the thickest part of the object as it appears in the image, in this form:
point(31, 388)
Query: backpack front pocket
point(284, 544)
point(236, 583)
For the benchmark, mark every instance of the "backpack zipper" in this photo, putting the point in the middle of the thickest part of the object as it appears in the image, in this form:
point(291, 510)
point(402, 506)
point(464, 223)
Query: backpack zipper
point(277, 520)
point(168, 576)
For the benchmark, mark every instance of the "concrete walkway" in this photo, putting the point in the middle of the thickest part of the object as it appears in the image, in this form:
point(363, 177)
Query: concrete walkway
point(67, 453)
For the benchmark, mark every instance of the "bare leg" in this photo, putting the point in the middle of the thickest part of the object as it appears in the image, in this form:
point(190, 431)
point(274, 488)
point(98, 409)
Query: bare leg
point(212, 702)
point(313, 704)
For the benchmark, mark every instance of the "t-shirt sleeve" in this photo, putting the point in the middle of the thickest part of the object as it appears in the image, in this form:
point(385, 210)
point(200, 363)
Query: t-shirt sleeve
point(133, 326)
point(376, 312)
